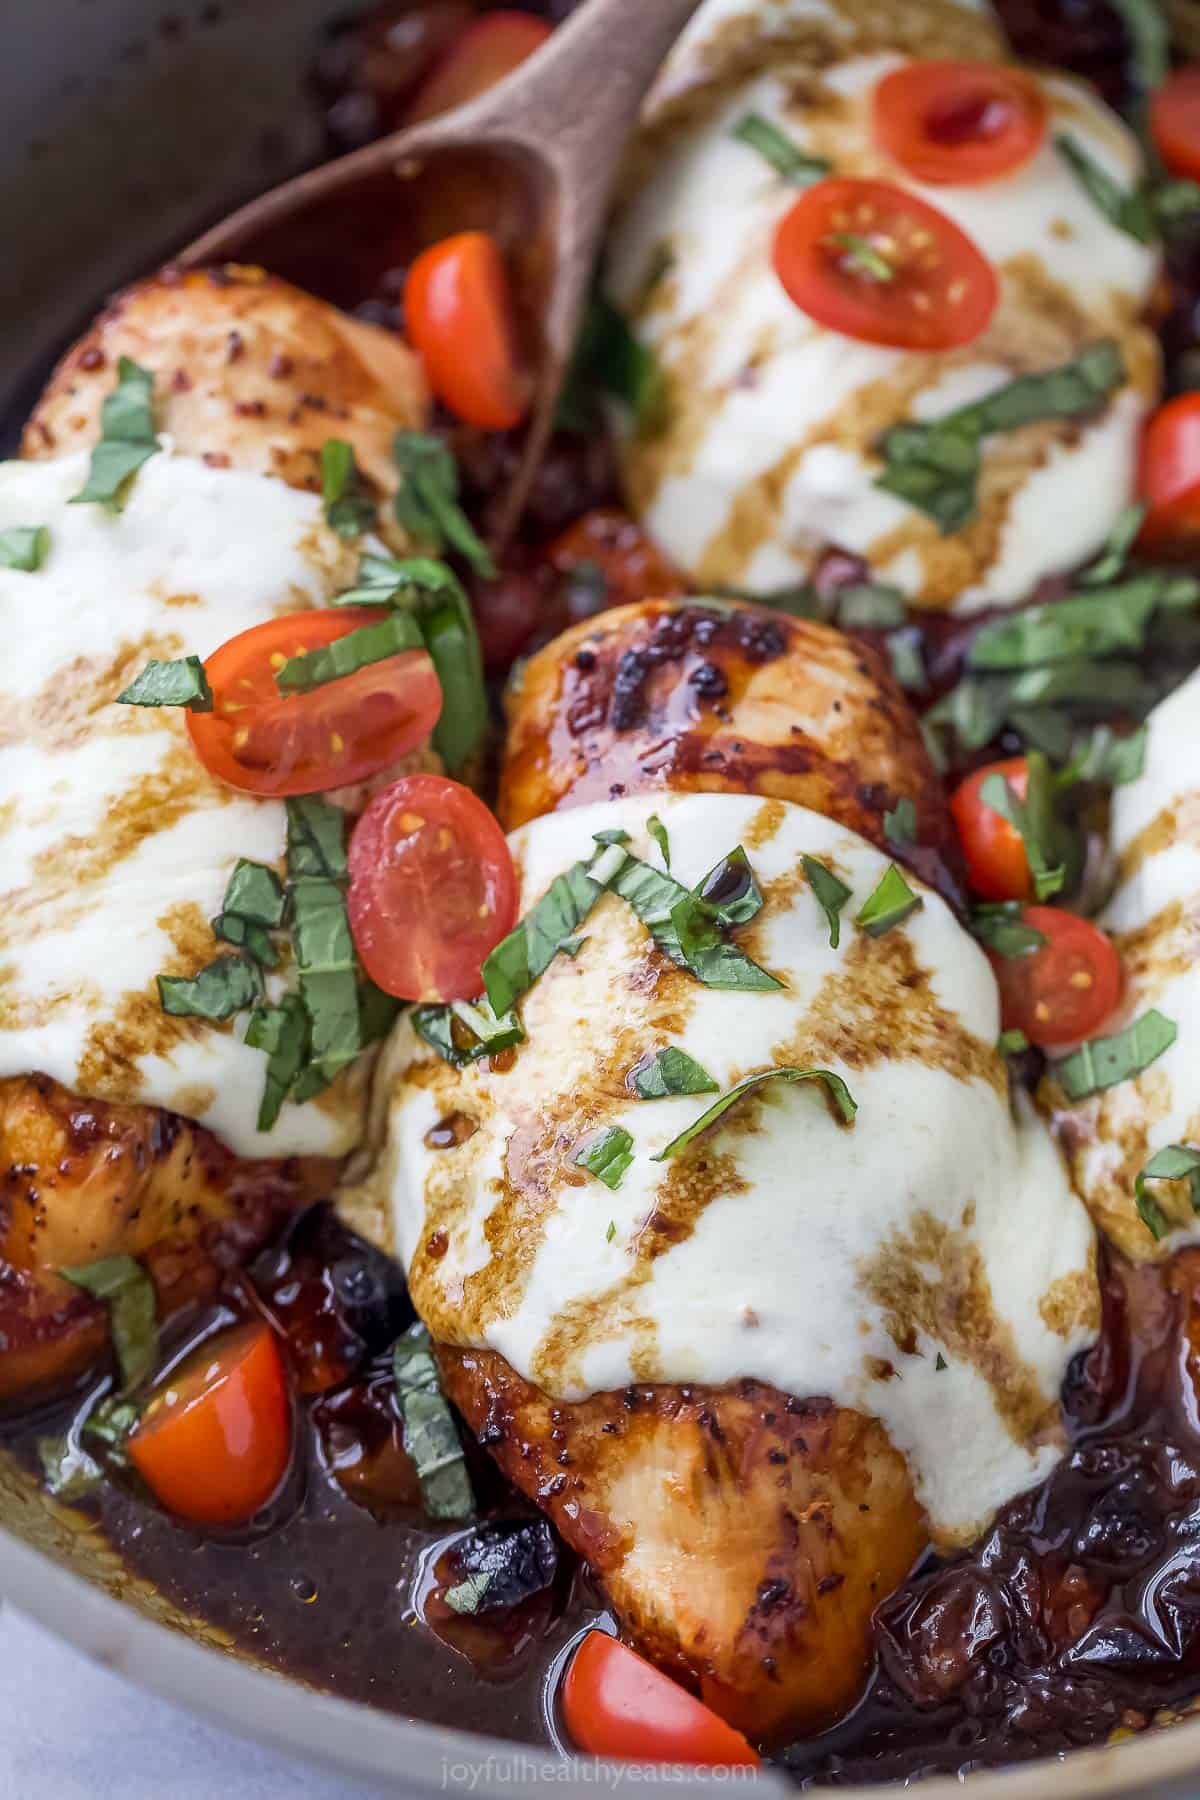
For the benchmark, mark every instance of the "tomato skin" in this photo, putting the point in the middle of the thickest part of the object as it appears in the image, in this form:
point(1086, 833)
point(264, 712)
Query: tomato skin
point(1169, 478)
point(958, 122)
point(997, 866)
point(1066, 989)
point(633, 566)
point(487, 51)
point(1175, 121)
point(618, 1704)
point(942, 291)
point(262, 742)
point(433, 889)
point(458, 316)
point(215, 1441)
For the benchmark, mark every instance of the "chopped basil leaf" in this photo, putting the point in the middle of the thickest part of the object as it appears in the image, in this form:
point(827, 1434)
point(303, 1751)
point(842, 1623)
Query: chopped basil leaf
point(24, 547)
point(1108, 758)
point(571, 946)
point(68, 1472)
point(862, 257)
point(667, 1072)
point(181, 682)
point(282, 1031)
point(529, 949)
point(870, 606)
point(611, 1233)
point(940, 1364)
point(219, 990)
point(617, 361)
point(491, 1033)
point(1128, 209)
point(786, 158)
point(900, 823)
point(245, 935)
point(110, 1423)
point(906, 655)
point(891, 903)
point(316, 838)
point(658, 832)
point(935, 466)
point(1012, 1042)
point(503, 1564)
point(606, 1155)
point(1082, 625)
point(349, 509)
point(413, 582)
point(730, 892)
point(127, 438)
point(683, 926)
point(829, 893)
point(1103, 1062)
point(1000, 928)
point(613, 836)
point(1109, 564)
point(838, 1093)
point(461, 1033)
point(321, 937)
point(255, 891)
point(1034, 819)
point(373, 643)
point(427, 501)
point(1174, 1162)
point(377, 1012)
point(128, 1292)
point(430, 1434)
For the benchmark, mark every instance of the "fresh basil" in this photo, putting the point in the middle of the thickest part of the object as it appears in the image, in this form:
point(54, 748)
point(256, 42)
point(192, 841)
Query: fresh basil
point(776, 148)
point(1109, 563)
point(253, 907)
point(430, 1434)
point(606, 1154)
point(870, 606)
point(1109, 758)
point(503, 1563)
point(324, 948)
point(128, 1292)
point(729, 891)
point(840, 1098)
point(612, 356)
point(373, 643)
point(181, 682)
point(283, 1033)
point(1104, 1062)
point(1000, 928)
point(862, 257)
point(426, 502)
point(222, 988)
point(411, 582)
point(667, 1072)
point(684, 926)
point(829, 893)
point(658, 832)
point(1175, 1162)
point(936, 466)
point(490, 1033)
point(1012, 1042)
point(1129, 209)
point(24, 547)
point(571, 946)
point(1033, 817)
point(907, 658)
point(900, 822)
point(349, 508)
point(127, 438)
point(377, 1012)
point(529, 949)
point(889, 905)
point(1091, 624)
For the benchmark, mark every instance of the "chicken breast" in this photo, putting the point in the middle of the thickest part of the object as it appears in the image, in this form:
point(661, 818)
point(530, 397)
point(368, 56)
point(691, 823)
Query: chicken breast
point(251, 374)
point(707, 696)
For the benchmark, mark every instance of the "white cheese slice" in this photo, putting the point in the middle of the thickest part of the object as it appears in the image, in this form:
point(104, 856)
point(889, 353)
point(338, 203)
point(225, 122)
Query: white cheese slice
point(115, 844)
point(783, 1245)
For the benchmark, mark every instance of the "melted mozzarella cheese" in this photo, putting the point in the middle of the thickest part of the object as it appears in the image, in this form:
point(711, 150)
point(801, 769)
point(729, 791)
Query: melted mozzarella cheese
point(782, 1245)
point(769, 449)
point(1154, 916)
point(116, 843)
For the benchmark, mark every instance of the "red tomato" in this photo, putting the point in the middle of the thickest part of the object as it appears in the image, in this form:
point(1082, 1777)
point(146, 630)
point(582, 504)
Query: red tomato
point(432, 889)
point(264, 742)
point(486, 52)
point(1169, 478)
point(618, 1704)
point(1065, 990)
point(874, 262)
point(633, 566)
point(459, 318)
point(215, 1441)
point(997, 866)
point(1175, 121)
point(958, 121)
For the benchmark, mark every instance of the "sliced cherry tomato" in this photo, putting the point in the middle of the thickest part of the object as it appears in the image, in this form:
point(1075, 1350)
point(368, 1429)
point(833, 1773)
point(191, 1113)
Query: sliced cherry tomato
point(1175, 121)
point(433, 889)
point(958, 121)
point(618, 1704)
point(874, 262)
point(486, 52)
point(1169, 478)
point(997, 866)
point(632, 567)
point(1065, 990)
point(215, 1440)
point(459, 318)
point(264, 742)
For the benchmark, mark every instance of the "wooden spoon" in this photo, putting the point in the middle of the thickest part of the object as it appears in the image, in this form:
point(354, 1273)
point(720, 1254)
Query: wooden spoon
point(532, 161)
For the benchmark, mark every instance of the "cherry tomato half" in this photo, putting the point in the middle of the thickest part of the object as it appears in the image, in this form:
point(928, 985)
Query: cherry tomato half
point(433, 889)
point(1066, 989)
point(1169, 478)
point(618, 1704)
point(214, 1443)
point(264, 742)
point(486, 52)
point(458, 315)
point(1175, 121)
point(608, 541)
point(874, 262)
point(997, 866)
point(958, 121)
